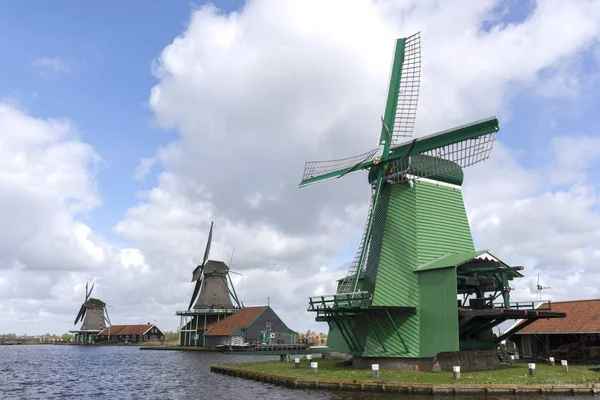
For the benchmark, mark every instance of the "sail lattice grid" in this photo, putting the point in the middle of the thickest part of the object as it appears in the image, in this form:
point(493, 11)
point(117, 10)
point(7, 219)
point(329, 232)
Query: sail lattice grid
point(408, 92)
point(313, 169)
point(347, 284)
point(445, 159)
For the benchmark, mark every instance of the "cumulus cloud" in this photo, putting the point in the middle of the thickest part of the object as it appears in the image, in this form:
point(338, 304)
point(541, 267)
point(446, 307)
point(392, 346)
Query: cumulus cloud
point(47, 179)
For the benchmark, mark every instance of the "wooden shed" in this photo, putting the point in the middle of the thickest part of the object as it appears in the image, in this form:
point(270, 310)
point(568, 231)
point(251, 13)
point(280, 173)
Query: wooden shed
point(575, 337)
point(250, 325)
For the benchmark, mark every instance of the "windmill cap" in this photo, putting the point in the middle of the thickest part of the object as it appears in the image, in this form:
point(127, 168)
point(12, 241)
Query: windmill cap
point(94, 302)
point(212, 266)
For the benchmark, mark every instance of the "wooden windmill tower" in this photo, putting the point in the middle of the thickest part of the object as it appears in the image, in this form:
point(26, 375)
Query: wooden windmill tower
point(94, 318)
point(400, 297)
point(214, 291)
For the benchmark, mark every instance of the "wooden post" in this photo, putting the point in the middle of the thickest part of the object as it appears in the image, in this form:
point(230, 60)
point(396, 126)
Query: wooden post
point(456, 372)
point(375, 370)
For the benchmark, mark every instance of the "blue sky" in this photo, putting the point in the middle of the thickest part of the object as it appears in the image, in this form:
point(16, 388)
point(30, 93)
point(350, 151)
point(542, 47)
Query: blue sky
point(245, 101)
point(109, 50)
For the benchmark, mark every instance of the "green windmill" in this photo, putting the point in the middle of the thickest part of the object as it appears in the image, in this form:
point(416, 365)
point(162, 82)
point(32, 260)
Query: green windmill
point(417, 287)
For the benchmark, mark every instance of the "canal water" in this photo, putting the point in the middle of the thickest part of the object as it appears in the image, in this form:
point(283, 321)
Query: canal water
point(124, 372)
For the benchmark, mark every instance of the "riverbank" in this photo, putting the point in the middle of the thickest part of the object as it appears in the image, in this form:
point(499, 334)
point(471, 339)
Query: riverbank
point(508, 379)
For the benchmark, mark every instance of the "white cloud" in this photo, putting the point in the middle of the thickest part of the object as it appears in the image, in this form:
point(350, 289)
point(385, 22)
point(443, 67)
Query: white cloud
point(255, 93)
point(47, 180)
point(51, 66)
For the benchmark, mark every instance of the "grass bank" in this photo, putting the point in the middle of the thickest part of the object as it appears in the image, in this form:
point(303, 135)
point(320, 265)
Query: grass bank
point(517, 373)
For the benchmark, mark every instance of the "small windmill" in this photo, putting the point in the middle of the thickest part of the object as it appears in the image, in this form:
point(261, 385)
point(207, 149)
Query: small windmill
point(416, 255)
point(94, 316)
point(214, 287)
point(213, 294)
point(540, 287)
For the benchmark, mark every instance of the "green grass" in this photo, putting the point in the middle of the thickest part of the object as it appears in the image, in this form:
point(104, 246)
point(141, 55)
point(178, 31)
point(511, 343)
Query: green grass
point(506, 374)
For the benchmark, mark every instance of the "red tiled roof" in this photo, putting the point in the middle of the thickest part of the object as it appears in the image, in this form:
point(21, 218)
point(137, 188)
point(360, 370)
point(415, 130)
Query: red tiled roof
point(241, 319)
point(583, 316)
point(126, 330)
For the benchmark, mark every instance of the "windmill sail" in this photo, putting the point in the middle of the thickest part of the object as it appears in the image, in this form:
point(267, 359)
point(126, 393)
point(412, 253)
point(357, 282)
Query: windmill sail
point(408, 90)
point(317, 171)
point(348, 283)
point(445, 152)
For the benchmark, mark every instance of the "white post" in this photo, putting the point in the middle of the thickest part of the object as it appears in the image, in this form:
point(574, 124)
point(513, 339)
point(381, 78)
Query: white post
point(532, 369)
point(314, 367)
point(296, 363)
point(565, 367)
point(456, 372)
point(375, 370)
point(512, 358)
point(551, 359)
point(309, 358)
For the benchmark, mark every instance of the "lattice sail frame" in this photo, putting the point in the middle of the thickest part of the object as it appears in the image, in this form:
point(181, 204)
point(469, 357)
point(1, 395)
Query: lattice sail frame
point(318, 168)
point(443, 160)
point(408, 92)
point(347, 284)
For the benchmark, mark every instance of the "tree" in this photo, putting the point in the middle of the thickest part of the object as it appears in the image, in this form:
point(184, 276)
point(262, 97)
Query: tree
point(66, 337)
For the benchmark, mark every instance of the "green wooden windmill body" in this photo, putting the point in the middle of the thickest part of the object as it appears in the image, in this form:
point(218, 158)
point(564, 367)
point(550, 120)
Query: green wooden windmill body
point(400, 296)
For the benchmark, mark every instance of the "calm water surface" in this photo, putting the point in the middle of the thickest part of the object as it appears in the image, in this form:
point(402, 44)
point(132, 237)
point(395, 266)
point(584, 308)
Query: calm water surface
point(82, 372)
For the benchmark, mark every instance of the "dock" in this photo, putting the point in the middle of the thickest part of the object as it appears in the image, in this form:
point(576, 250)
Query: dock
point(284, 351)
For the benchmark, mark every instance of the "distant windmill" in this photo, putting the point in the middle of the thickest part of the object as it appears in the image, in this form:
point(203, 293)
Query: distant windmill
point(94, 316)
point(540, 288)
point(214, 287)
point(211, 299)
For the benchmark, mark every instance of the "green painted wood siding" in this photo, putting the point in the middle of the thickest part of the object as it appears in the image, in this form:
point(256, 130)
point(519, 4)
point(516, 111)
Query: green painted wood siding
point(442, 224)
point(422, 223)
point(397, 284)
point(411, 226)
point(438, 312)
point(442, 227)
